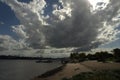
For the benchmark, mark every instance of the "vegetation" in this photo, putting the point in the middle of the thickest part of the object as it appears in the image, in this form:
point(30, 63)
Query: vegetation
point(102, 56)
point(76, 57)
point(97, 75)
point(116, 53)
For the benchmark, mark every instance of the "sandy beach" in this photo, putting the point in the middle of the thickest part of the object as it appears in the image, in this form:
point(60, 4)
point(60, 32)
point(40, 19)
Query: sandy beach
point(72, 69)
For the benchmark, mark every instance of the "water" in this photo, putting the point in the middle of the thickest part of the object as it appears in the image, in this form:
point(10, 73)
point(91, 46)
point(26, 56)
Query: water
point(23, 69)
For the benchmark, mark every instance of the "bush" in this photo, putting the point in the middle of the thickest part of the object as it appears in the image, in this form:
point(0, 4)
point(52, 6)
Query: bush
point(98, 75)
point(82, 57)
point(103, 56)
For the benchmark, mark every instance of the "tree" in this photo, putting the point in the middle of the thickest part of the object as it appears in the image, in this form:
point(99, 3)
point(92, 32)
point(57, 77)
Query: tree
point(82, 57)
point(91, 57)
point(116, 53)
point(75, 57)
point(102, 56)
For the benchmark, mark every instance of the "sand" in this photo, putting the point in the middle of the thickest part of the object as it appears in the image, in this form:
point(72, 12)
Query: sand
point(72, 69)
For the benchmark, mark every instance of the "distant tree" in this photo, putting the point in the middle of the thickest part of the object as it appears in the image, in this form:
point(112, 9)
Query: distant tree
point(91, 57)
point(82, 57)
point(72, 55)
point(102, 56)
point(77, 57)
point(116, 53)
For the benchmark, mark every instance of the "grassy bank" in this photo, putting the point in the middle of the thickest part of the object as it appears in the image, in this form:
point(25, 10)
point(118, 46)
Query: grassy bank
point(97, 75)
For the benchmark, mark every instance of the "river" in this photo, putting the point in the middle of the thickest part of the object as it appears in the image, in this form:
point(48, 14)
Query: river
point(23, 69)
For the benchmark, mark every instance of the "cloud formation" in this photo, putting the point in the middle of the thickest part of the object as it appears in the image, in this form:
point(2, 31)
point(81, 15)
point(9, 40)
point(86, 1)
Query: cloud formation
point(72, 25)
point(7, 42)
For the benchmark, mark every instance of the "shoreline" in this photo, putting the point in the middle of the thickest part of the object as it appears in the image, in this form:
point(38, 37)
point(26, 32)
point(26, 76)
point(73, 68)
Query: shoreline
point(51, 72)
point(66, 70)
point(70, 69)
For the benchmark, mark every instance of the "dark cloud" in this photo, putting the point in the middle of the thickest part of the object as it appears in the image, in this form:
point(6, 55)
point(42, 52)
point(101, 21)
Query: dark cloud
point(76, 31)
point(72, 25)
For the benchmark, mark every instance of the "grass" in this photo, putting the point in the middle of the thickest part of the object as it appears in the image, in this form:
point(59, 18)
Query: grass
point(97, 75)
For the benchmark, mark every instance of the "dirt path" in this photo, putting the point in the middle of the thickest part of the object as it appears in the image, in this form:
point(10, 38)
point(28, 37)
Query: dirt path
point(68, 71)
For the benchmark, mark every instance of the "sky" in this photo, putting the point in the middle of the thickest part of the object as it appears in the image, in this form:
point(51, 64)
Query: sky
point(80, 24)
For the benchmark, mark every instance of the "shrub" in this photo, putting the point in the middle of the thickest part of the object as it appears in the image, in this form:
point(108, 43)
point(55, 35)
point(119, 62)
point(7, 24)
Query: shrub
point(98, 75)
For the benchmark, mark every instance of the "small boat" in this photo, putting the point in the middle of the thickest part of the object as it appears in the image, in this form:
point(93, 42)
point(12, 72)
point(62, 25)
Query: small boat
point(44, 61)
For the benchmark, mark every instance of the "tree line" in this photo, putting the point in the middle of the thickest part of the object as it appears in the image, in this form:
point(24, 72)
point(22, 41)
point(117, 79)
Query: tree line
point(102, 56)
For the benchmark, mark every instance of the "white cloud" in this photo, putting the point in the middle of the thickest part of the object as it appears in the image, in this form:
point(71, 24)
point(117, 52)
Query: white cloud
point(19, 30)
point(107, 33)
point(8, 42)
point(64, 12)
point(98, 4)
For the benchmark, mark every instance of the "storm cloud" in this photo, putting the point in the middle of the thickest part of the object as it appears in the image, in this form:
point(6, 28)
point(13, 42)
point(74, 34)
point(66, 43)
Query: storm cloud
point(70, 24)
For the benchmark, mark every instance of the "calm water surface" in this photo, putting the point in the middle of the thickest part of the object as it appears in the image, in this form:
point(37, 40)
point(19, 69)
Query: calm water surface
point(23, 69)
